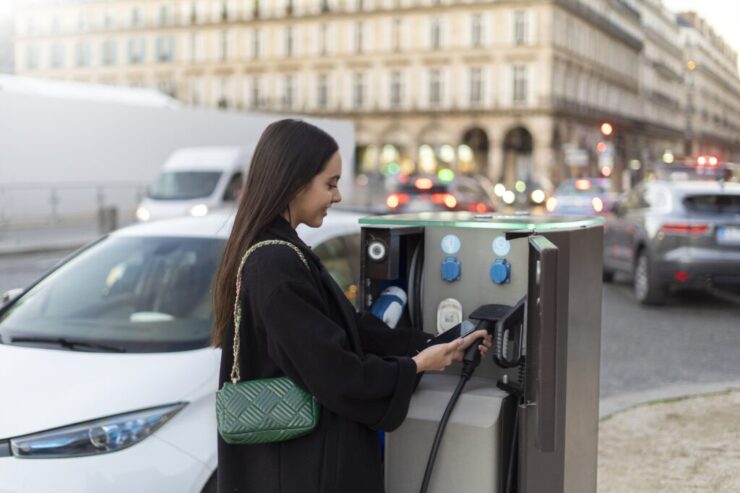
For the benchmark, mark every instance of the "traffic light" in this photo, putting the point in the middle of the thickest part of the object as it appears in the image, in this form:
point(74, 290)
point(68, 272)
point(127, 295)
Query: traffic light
point(606, 129)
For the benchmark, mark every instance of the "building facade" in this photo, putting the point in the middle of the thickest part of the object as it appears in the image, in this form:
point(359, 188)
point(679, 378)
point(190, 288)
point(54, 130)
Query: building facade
point(516, 90)
point(712, 90)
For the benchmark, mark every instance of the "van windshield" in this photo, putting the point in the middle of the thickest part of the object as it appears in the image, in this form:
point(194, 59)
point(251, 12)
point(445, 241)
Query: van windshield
point(184, 185)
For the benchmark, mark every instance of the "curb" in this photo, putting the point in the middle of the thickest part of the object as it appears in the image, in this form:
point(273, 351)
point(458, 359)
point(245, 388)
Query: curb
point(612, 405)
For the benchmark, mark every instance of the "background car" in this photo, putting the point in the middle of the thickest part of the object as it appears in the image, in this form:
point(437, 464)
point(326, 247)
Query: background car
point(105, 363)
point(582, 196)
point(672, 235)
point(427, 193)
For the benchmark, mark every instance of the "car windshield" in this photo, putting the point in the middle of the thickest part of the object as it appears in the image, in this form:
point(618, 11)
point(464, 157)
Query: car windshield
point(184, 185)
point(137, 294)
point(583, 187)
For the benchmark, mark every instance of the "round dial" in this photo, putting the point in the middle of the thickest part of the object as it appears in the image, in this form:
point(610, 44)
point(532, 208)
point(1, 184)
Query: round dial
point(501, 246)
point(450, 244)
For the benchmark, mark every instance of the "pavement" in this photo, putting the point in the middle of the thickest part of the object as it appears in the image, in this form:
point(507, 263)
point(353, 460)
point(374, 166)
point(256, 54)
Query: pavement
point(675, 439)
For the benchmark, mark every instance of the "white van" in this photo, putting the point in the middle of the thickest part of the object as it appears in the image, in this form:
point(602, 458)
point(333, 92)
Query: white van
point(196, 181)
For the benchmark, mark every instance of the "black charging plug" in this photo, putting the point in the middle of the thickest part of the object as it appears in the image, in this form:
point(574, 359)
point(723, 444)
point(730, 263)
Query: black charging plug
point(471, 359)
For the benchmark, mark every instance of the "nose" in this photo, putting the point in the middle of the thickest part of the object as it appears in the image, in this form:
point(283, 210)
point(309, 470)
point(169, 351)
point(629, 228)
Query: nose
point(337, 197)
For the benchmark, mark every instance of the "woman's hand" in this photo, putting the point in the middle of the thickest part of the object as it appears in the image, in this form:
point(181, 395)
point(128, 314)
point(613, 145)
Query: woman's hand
point(440, 356)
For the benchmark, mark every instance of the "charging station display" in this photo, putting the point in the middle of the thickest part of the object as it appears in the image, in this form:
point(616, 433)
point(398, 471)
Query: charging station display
point(523, 420)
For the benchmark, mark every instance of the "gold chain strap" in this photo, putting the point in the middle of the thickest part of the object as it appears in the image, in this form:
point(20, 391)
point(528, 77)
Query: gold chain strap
point(235, 375)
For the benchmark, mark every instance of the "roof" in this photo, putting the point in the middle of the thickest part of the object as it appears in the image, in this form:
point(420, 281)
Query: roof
point(700, 186)
point(217, 158)
point(218, 225)
point(83, 91)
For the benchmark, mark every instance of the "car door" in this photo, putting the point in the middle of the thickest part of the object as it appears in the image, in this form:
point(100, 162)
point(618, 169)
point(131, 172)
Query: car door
point(626, 222)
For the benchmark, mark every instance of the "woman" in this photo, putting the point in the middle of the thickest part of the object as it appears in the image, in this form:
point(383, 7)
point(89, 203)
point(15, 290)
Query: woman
point(296, 322)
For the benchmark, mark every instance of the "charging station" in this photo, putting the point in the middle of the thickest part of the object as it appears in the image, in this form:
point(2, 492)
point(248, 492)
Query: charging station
point(527, 420)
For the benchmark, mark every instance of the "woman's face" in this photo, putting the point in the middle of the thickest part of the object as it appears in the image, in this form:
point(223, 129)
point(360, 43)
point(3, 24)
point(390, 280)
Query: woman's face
point(311, 204)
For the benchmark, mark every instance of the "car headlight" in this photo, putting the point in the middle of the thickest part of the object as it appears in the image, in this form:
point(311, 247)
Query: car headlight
point(143, 214)
point(100, 436)
point(198, 210)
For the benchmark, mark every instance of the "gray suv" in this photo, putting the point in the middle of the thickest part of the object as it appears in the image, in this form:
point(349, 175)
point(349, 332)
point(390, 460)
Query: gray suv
point(672, 235)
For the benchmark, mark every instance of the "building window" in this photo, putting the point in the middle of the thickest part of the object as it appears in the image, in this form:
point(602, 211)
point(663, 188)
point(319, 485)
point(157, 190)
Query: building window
point(519, 84)
point(289, 41)
point(435, 87)
point(322, 99)
point(164, 15)
point(288, 92)
point(56, 57)
point(255, 96)
point(359, 34)
point(108, 52)
point(520, 27)
point(107, 20)
point(136, 51)
point(32, 57)
point(81, 23)
point(396, 34)
point(289, 7)
point(435, 33)
point(82, 54)
point(193, 47)
point(165, 49)
point(256, 43)
point(224, 12)
point(323, 28)
point(193, 13)
point(358, 93)
point(476, 30)
point(135, 17)
point(325, 6)
point(396, 88)
point(223, 100)
point(256, 9)
point(476, 86)
point(359, 5)
point(224, 46)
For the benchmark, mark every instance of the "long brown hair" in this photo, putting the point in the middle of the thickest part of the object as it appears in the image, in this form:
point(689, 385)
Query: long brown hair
point(287, 157)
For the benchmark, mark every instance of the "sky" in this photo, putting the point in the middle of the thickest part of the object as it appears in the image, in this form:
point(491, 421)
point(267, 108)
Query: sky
point(723, 15)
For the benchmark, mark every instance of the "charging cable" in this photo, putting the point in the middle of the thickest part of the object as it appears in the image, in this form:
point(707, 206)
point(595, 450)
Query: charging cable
point(471, 360)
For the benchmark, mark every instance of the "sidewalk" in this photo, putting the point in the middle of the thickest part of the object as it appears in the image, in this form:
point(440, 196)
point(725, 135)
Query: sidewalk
point(36, 239)
point(690, 445)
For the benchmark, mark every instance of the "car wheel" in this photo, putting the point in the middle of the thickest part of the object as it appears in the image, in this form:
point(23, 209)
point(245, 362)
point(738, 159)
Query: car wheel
point(210, 486)
point(607, 275)
point(647, 291)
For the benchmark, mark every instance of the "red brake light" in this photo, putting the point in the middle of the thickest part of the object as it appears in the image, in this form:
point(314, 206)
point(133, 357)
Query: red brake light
point(396, 199)
point(480, 208)
point(424, 183)
point(685, 229)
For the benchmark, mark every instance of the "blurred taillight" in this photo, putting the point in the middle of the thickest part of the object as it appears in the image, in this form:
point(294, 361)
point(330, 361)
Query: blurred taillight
point(450, 201)
point(424, 183)
point(480, 208)
point(685, 229)
point(396, 199)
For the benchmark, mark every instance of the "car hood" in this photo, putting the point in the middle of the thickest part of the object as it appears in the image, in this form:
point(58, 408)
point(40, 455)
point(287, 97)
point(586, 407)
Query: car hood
point(43, 389)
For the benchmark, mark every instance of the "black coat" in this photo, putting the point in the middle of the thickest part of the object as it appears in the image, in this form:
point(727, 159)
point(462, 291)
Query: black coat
point(297, 322)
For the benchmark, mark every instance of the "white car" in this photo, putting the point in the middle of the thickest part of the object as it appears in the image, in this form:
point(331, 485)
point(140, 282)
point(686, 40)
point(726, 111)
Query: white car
point(108, 381)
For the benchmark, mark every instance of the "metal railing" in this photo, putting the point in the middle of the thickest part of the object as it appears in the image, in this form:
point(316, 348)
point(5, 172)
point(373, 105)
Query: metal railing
point(37, 204)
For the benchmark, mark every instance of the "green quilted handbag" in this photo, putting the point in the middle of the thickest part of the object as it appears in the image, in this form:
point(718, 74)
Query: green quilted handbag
point(266, 410)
